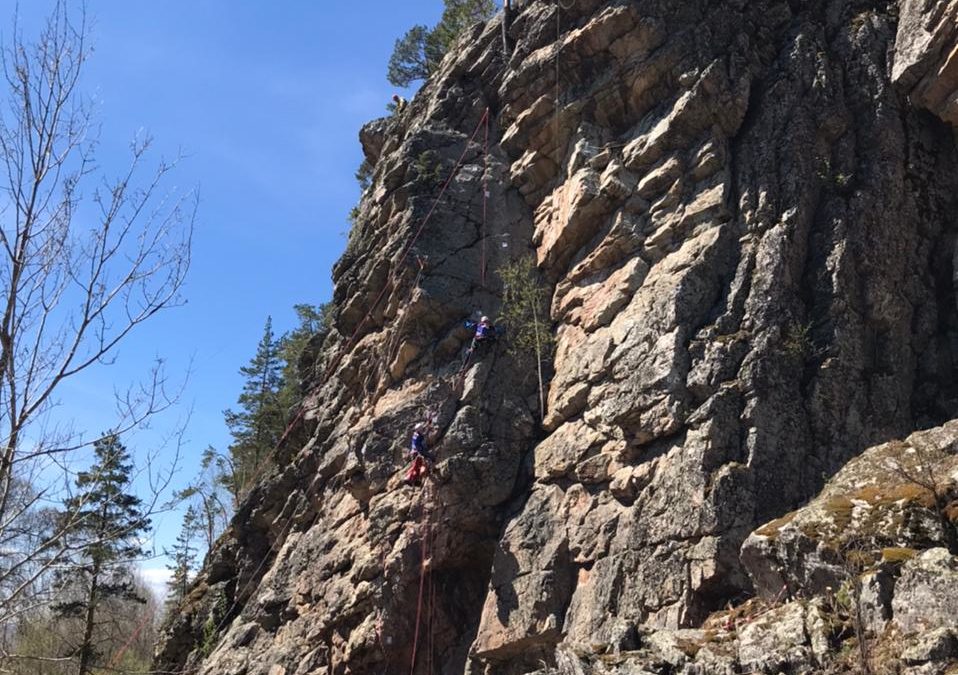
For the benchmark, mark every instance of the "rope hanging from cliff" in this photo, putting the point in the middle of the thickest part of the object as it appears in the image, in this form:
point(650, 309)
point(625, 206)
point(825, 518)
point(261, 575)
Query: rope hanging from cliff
point(485, 199)
point(483, 120)
point(424, 565)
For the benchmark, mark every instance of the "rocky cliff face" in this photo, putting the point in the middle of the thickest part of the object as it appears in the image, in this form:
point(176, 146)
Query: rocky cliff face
point(746, 215)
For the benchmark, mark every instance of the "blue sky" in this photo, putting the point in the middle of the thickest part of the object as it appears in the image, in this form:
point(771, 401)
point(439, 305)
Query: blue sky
point(266, 100)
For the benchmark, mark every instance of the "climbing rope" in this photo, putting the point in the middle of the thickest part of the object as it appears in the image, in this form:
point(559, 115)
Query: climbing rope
point(423, 571)
point(483, 123)
point(483, 120)
point(485, 198)
point(393, 351)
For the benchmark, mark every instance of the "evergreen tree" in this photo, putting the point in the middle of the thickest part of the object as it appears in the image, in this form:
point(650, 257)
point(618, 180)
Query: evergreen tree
point(211, 495)
point(106, 525)
point(419, 52)
point(257, 426)
point(183, 557)
point(292, 346)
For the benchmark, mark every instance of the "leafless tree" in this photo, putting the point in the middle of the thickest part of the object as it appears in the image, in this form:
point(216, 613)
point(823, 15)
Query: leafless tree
point(921, 466)
point(85, 259)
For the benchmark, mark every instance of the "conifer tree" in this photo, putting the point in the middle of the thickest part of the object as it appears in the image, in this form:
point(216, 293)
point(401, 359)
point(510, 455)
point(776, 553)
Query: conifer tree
point(258, 425)
point(419, 52)
point(312, 320)
point(212, 495)
point(183, 557)
point(107, 523)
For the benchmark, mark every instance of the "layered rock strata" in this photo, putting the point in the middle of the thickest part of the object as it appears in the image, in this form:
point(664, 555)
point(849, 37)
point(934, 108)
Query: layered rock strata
point(746, 220)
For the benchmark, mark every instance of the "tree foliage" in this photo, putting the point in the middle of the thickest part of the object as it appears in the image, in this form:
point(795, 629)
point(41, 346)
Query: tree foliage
point(182, 558)
point(418, 53)
point(86, 259)
point(257, 425)
point(41, 643)
point(108, 522)
point(525, 313)
point(273, 387)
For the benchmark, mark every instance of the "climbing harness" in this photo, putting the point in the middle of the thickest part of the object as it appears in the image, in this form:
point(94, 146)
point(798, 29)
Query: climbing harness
point(426, 535)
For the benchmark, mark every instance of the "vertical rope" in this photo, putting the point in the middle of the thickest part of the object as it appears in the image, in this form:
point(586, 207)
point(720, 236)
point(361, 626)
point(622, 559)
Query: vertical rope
point(422, 579)
point(556, 105)
point(485, 199)
point(432, 605)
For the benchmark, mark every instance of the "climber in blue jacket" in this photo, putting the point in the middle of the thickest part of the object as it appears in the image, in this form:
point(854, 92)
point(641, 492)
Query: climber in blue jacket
point(422, 459)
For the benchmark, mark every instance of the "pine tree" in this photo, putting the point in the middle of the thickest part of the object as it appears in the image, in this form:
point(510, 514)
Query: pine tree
point(183, 557)
point(106, 525)
point(409, 62)
point(256, 428)
point(211, 495)
point(419, 52)
point(292, 346)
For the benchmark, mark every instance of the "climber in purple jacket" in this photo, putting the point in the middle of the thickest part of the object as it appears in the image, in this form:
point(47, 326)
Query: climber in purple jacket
point(485, 333)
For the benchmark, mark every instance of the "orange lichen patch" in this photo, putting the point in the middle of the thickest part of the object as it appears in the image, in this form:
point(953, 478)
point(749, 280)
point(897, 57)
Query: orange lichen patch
point(773, 528)
point(893, 554)
point(877, 495)
point(840, 509)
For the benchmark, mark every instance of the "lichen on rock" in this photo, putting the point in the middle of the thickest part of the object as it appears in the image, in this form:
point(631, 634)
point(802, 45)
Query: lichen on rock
point(746, 217)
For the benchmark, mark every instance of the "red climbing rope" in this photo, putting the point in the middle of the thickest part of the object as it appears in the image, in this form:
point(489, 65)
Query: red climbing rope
point(483, 121)
point(415, 237)
point(351, 342)
point(424, 538)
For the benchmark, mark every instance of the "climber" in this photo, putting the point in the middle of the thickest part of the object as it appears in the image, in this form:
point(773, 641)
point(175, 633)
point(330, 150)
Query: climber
point(485, 334)
point(399, 102)
point(421, 458)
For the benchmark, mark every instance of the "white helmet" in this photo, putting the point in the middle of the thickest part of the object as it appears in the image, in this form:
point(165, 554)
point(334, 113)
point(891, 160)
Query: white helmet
point(484, 319)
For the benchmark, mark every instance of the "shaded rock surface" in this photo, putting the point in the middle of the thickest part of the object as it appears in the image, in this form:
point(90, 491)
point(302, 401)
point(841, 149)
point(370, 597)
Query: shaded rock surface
point(746, 218)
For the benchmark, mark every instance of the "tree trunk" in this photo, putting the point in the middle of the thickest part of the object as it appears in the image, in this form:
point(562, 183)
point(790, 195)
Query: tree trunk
point(86, 647)
point(535, 322)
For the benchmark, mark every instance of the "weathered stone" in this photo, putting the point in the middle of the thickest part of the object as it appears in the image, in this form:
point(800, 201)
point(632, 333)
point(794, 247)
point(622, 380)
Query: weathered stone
point(939, 645)
point(926, 594)
point(746, 235)
point(925, 63)
point(777, 641)
point(877, 498)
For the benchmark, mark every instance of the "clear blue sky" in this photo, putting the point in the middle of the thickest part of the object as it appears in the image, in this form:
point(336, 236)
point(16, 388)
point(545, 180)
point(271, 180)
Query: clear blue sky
point(266, 98)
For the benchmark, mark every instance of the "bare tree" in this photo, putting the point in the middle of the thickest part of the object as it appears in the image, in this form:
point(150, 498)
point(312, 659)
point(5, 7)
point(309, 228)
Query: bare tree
point(85, 260)
point(922, 466)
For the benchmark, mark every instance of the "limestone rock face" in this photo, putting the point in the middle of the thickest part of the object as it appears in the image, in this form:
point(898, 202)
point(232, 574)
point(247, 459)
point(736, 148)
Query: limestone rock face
point(745, 219)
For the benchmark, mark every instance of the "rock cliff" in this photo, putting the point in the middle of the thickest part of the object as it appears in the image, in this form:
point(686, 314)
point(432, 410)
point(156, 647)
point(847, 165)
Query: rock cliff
point(745, 214)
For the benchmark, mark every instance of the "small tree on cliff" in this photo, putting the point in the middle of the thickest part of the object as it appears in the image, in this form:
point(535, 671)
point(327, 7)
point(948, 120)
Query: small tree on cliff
point(257, 426)
point(183, 557)
point(419, 52)
point(524, 311)
point(313, 319)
